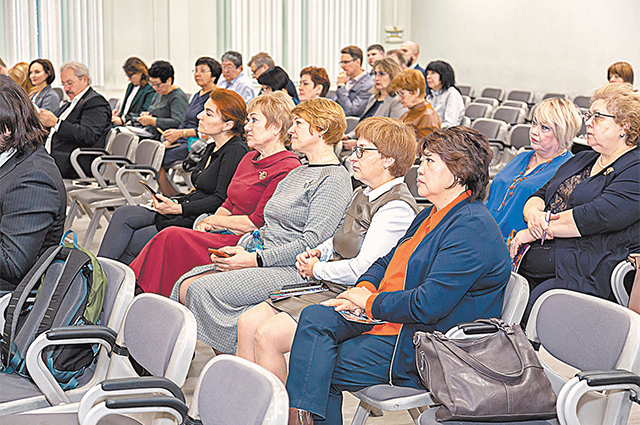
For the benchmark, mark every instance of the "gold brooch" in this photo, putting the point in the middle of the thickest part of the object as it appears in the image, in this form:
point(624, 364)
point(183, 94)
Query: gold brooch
point(609, 170)
point(262, 175)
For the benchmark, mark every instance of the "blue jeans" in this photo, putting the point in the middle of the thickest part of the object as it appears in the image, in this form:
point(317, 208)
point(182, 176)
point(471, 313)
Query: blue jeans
point(329, 355)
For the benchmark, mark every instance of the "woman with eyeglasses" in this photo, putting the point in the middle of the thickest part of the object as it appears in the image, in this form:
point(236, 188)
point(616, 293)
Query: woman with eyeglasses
point(383, 101)
point(443, 94)
point(411, 89)
point(586, 219)
point(378, 216)
point(139, 92)
point(277, 79)
point(555, 123)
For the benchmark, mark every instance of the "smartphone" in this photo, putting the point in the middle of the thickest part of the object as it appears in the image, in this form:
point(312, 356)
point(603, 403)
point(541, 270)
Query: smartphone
point(150, 190)
point(218, 253)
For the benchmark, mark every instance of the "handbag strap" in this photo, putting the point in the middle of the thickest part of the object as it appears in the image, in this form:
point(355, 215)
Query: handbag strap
point(477, 365)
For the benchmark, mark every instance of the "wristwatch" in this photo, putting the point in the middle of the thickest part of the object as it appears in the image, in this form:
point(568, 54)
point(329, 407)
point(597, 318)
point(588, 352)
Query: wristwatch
point(259, 259)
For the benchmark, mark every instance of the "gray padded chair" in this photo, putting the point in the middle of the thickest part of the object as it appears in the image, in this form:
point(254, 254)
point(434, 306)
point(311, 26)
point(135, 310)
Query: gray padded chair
point(588, 334)
point(510, 115)
point(491, 128)
point(519, 136)
point(410, 180)
point(516, 104)
point(494, 93)
point(552, 95)
point(18, 394)
point(489, 101)
point(230, 390)
point(352, 123)
point(466, 90)
point(617, 282)
point(525, 96)
point(394, 398)
point(582, 101)
point(477, 110)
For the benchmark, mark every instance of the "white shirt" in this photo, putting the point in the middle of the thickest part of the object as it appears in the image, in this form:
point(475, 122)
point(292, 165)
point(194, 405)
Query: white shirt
point(132, 95)
point(388, 225)
point(4, 156)
point(449, 105)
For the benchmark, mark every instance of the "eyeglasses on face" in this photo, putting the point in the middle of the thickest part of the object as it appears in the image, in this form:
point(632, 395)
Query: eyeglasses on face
point(359, 151)
point(346, 62)
point(597, 116)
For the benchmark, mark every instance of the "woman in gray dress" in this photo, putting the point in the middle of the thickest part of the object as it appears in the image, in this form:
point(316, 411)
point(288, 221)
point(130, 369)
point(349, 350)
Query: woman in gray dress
point(378, 216)
point(305, 210)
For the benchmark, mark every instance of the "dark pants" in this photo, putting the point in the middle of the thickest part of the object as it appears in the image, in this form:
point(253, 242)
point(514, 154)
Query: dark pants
point(130, 229)
point(329, 355)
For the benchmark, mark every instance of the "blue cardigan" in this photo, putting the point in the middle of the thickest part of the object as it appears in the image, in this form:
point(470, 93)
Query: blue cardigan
point(456, 274)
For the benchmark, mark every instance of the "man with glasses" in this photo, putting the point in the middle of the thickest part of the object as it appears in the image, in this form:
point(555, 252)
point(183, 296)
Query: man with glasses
point(83, 122)
point(353, 82)
point(234, 79)
point(262, 62)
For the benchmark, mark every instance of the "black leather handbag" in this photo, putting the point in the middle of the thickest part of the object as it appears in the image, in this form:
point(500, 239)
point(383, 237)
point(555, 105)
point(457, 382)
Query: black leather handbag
point(494, 378)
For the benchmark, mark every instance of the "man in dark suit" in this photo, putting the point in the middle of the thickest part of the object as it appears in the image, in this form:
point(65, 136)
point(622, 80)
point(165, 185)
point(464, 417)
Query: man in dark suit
point(33, 200)
point(83, 122)
point(411, 51)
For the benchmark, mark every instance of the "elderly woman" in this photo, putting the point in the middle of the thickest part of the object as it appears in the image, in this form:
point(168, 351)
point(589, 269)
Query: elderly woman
point(41, 75)
point(131, 227)
point(443, 94)
point(383, 101)
point(555, 123)
point(587, 215)
point(277, 79)
point(139, 93)
point(305, 210)
point(314, 83)
point(33, 200)
point(176, 250)
point(620, 72)
point(411, 89)
point(168, 106)
point(459, 267)
point(378, 216)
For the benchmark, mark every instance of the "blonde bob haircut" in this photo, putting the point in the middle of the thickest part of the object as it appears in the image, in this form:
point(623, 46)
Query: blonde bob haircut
point(410, 80)
point(562, 117)
point(624, 103)
point(324, 116)
point(276, 108)
point(393, 139)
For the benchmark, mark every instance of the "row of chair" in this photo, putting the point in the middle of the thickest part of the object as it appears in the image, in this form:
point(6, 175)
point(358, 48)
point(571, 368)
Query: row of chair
point(525, 96)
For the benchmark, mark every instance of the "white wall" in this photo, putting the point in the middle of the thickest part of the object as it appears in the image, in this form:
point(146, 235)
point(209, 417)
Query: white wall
point(541, 45)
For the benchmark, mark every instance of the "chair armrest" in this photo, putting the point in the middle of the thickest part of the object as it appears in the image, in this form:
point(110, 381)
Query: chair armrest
point(148, 404)
point(73, 335)
point(609, 377)
point(463, 330)
point(103, 160)
point(151, 170)
point(84, 151)
point(500, 143)
point(130, 169)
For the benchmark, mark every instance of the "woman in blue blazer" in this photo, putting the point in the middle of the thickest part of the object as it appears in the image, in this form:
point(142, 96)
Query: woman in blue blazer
point(451, 266)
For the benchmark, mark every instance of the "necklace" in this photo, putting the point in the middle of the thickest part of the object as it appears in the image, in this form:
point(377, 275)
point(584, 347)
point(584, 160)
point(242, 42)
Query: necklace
point(603, 166)
point(522, 177)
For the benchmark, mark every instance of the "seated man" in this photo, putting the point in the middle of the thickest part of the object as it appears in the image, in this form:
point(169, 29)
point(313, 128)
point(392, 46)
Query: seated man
point(234, 79)
point(83, 122)
point(262, 62)
point(32, 195)
point(411, 51)
point(375, 52)
point(353, 83)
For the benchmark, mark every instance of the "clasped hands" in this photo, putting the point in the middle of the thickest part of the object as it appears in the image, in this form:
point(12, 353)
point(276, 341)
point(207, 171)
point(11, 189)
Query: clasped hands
point(146, 118)
point(537, 226)
point(238, 258)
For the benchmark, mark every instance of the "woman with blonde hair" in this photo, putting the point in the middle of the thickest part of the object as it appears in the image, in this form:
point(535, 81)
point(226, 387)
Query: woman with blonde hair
point(20, 74)
point(305, 210)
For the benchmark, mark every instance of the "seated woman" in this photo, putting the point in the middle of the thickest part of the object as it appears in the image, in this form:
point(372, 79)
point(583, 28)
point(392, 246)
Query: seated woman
point(443, 94)
point(378, 216)
point(33, 201)
point(587, 215)
point(131, 227)
point(168, 106)
point(277, 79)
point(139, 93)
point(314, 83)
point(411, 89)
point(305, 210)
point(20, 74)
point(176, 250)
point(383, 101)
point(620, 72)
point(42, 74)
point(450, 267)
point(555, 123)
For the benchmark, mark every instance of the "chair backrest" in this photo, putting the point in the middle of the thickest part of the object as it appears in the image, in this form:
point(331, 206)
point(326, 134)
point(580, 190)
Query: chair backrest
point(466, 121)
point(494, 93)
point(160, 334)
point(113, 102)
point(516, 104)
point(119, 293)
point(582, 101)
point(410, 180)
point(492, 129)
point(521, 95)
point(352, 123)
point(488, 100)
point(516, 297)
point(232, 390)
point(519, 136)
point(466, 90)
point(617, 282)
point(509, 115)
point(122, 144)
point(149, 153)
point(551, 95)
point(477, 110)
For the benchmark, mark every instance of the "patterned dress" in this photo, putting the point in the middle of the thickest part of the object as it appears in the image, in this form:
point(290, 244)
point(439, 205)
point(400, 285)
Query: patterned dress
point(305, 210)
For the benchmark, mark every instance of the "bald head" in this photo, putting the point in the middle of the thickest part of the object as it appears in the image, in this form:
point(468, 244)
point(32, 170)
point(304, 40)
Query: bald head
point(411, 51)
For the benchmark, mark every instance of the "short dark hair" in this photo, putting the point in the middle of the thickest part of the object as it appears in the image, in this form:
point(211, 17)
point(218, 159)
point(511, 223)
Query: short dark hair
point(162, 70)
point(232, 56)
point(135, 65)
point(48, 68)
point(278, 79)
point(20, 127)
point(376, 47)
point(354, 51)
point(318, 76)
point(466, 153)
point(214, 67)
point(447, 76)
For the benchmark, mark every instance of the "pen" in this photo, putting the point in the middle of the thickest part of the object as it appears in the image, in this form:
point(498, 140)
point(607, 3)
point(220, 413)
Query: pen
point(547, 219)
point(161, 131)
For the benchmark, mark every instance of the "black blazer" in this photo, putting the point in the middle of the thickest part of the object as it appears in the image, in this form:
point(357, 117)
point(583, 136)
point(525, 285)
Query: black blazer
point(86, 126)
point(33, 204)
point(140, 103)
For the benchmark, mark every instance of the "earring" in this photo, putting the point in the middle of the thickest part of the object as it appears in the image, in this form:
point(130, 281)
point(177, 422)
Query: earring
point(622, 135)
